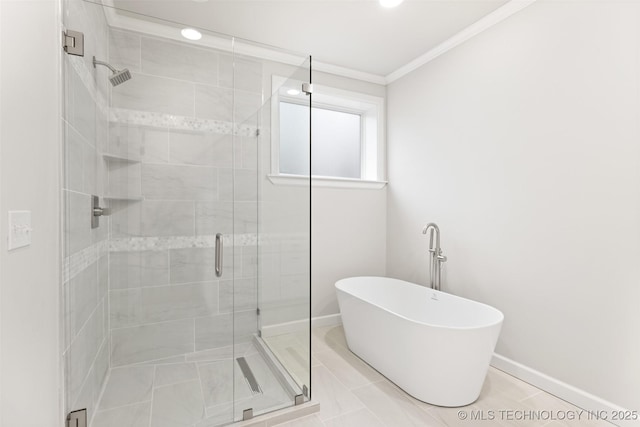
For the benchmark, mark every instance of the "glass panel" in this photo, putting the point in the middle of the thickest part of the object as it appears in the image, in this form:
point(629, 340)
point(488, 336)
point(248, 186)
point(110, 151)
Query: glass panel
point(153, 334)
point(284, 232)
point(85, 349)
point(260, 209)
point(152, 341)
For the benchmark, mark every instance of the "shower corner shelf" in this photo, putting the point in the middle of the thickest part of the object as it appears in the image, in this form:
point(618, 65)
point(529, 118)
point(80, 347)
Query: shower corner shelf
point(125, 198)
point(119, 158)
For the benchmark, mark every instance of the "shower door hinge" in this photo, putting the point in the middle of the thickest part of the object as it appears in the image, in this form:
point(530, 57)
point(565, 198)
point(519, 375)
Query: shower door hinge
point(73, 42)
point(307, 88)
point(77, 418)
point(258, 311)
point(257, 132)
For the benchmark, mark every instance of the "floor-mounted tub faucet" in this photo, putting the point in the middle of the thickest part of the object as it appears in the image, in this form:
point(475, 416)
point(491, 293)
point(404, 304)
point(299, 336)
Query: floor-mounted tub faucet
point(435, 267)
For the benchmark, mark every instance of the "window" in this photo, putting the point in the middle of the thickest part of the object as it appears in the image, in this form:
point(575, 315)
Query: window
point(336, 136)
point(347, 137)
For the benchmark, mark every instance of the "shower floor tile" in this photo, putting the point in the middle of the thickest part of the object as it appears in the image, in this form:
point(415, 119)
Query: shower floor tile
point(127, 385)
point(203, 389)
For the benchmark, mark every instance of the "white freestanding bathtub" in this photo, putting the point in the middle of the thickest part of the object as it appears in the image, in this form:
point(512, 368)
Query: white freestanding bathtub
point(435, 346)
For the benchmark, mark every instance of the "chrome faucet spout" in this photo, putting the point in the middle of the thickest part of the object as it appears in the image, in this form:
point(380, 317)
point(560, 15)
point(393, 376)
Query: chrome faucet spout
point(434, 230)
point(435, 251)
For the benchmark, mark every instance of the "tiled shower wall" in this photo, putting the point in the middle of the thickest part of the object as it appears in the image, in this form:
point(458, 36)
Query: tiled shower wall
point(176, 175)
point(84, 292)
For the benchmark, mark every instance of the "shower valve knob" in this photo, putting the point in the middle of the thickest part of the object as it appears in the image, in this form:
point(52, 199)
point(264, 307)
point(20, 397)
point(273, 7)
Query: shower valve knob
point(97, 211)
point(101, 211)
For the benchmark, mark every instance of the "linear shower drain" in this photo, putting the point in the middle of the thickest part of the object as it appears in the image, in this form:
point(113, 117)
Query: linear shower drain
point(248, 375)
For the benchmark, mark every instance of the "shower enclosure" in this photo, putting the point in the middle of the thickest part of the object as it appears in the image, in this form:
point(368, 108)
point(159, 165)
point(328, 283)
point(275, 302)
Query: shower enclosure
point(186, 288)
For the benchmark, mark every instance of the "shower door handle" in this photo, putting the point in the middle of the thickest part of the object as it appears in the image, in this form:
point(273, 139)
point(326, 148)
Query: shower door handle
point(219, 255)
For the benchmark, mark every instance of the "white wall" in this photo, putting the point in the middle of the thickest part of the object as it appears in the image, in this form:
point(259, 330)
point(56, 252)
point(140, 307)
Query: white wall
point(348, 239)
point(523, 145)
point(29, 171)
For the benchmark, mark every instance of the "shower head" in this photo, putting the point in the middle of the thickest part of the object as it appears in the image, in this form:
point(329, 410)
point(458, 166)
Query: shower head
point(118, 76)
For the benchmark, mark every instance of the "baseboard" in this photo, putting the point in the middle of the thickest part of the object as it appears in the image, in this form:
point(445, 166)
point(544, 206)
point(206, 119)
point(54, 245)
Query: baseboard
point(283, 328)
point(300, 325)
point(564, 391)
point(330, 320)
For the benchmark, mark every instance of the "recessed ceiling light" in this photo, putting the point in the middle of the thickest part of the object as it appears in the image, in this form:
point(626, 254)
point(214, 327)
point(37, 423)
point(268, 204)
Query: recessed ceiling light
point(390, 3)
point(293, 92)
point(191, 34)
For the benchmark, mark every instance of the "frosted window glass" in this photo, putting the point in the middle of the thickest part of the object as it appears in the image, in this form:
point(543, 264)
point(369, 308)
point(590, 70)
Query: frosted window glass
point(294, 139)
point(336, 142)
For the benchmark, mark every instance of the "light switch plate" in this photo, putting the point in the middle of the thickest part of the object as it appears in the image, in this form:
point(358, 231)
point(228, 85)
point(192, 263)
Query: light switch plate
point(19, 229)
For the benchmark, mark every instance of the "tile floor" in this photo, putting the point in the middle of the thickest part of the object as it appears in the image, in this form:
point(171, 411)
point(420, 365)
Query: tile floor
point(194, 390)
point(352, 394)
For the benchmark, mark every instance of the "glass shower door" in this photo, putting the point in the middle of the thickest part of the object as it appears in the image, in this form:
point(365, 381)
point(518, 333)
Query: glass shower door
point(284, 225)
point(84, 291)
point(266, 380)
point(148, 321)
point(161, 308)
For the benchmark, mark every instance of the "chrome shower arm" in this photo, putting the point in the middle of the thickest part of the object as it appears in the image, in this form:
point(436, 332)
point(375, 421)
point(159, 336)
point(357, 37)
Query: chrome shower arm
point(117, 76)
point(96, 62)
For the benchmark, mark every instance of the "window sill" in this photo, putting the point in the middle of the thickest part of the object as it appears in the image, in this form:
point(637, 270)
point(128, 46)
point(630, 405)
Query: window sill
point(323, 181)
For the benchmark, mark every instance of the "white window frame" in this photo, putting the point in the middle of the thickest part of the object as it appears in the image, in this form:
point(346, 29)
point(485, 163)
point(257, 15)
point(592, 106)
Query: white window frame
point(373, 149)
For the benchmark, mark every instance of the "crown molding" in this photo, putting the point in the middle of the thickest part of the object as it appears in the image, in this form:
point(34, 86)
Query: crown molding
point(243, 47)
point(348, 72)
point(484, 23)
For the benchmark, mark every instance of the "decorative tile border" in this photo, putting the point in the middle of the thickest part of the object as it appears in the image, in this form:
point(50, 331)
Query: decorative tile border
point(79, 261)
point(161, 120)
point(134, 244)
